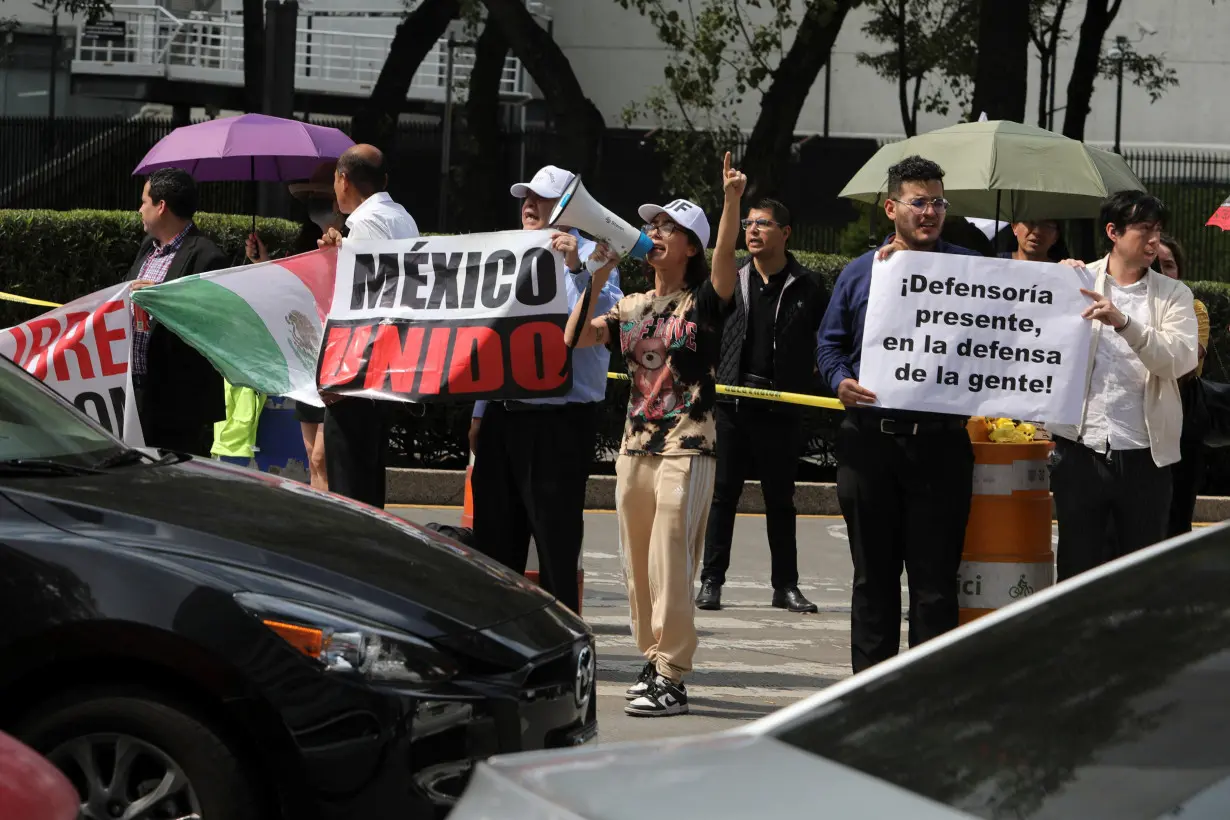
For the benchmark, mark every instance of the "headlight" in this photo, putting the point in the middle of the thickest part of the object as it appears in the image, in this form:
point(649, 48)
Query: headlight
point(345, 645)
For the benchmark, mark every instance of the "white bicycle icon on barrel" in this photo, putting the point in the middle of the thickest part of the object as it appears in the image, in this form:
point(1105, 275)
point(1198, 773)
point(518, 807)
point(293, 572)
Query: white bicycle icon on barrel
point(1020, 589)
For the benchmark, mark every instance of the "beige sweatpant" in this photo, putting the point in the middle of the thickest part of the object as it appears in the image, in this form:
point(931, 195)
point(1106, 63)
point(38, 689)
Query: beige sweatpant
point(663, 506)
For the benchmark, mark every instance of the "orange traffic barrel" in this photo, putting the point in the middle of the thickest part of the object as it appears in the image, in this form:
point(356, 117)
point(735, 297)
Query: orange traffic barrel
point(1007, 554)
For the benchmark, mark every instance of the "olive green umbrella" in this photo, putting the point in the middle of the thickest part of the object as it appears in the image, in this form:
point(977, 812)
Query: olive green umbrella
point(1004, 170)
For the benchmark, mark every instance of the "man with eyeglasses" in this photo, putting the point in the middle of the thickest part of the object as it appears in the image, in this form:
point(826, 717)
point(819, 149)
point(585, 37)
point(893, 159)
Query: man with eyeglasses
point(768, 342)
point(904, 479)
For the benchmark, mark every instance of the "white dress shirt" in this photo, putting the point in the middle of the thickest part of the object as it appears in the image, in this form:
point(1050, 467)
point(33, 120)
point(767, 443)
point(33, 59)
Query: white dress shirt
point(1115, 418)
point(379, 217)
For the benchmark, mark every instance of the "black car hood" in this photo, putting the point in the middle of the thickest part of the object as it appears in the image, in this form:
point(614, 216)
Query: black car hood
point(254, 530)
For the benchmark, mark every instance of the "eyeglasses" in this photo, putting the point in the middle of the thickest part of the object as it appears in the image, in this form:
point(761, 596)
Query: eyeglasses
point(759, 223)
point(665, 229)
point(920, 203)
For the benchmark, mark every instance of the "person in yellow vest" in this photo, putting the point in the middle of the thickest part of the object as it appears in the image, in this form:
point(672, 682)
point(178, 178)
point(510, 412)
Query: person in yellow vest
point(1188, 474)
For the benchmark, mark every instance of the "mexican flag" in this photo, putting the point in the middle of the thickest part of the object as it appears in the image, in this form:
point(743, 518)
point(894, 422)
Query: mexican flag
point(259, 325)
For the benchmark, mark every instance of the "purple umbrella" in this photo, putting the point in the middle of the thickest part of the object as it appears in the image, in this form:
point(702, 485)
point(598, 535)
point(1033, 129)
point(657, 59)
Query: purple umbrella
point(252, 147)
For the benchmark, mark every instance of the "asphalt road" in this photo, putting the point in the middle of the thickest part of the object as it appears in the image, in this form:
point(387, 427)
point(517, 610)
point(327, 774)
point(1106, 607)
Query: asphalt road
point(753, 659)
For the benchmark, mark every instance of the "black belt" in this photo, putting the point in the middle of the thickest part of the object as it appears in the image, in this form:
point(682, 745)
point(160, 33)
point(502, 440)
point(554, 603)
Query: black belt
point(906, 427)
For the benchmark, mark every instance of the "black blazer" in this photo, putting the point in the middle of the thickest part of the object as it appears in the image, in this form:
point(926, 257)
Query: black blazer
point(180, 381)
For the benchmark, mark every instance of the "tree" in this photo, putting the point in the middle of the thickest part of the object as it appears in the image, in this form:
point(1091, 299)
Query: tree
point(933, 54)
point(254, 55)
point(1148, 71)
point(767, 159)
point(1099, 14)
point(376, 121)
point(718, 55)
point(579, 125)
point(1001, 79)
point(1047, 32)
point(483, 174)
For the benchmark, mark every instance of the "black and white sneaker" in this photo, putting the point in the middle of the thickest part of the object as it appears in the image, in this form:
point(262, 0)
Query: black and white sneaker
point(661, 699)
point(642, 682)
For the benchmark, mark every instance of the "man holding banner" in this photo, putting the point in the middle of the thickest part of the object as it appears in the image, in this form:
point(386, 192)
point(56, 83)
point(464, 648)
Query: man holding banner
point(532, 457)
point(1111, 470)
point(178, 393)
point(904, 478)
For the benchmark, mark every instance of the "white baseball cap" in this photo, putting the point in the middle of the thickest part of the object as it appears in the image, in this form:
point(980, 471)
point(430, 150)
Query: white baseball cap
point(548, 183)
point(688, 214)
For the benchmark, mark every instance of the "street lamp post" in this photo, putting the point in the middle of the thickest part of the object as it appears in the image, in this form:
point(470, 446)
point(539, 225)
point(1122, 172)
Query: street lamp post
point(1117, 53)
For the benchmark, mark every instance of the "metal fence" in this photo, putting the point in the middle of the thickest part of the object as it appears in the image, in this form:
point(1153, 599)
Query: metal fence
point(87, 163)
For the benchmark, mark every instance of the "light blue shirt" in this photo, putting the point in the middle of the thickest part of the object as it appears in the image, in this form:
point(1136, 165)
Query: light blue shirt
point(589, 364)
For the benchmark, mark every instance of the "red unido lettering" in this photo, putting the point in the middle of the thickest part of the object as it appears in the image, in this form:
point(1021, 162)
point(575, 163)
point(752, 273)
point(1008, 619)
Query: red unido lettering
point(52, 338)
point(441, 360)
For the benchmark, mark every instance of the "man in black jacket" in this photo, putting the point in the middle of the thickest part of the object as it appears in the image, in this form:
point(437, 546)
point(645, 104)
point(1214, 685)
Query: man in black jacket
point(768, 342)
point(179, 394)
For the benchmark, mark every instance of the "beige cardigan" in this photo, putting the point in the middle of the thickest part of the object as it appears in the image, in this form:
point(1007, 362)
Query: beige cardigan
point(1167, 347)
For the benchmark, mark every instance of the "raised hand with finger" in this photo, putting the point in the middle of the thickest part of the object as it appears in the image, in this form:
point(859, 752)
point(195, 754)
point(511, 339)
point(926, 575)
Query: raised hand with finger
point(734, 181)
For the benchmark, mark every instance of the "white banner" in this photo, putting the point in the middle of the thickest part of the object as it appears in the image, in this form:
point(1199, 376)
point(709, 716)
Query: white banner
point(974, 336)
point(81, 351)
point(468, 317)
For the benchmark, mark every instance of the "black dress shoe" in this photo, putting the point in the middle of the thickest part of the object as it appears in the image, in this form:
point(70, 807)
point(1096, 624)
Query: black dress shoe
point(710, 596)
point(793, 600)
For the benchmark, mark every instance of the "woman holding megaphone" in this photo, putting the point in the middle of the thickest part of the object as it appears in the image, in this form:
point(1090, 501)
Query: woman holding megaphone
point(670, 338)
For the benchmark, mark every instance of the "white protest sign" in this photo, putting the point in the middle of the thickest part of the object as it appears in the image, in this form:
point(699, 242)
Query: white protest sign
point(81, 351)
point(974, 336)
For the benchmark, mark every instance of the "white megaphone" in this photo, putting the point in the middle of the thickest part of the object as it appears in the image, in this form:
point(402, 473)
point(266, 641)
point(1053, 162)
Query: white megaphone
point(577, 209)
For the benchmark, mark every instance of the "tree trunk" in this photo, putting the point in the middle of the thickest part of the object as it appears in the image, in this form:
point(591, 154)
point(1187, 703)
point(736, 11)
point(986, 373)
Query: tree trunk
point(1003, 60)
point(903, 78)
point(376, 121)
point(484, 178)
point(767, 159)
point(1099, 14)
point(254, 55)
point(579, 125)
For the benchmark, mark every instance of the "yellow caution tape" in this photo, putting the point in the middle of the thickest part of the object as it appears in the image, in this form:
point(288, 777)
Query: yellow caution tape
point(768, 395)
point(26, 300)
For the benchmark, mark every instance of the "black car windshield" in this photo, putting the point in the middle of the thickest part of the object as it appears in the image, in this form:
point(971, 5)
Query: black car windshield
point(1110, 702)
point(37, 425)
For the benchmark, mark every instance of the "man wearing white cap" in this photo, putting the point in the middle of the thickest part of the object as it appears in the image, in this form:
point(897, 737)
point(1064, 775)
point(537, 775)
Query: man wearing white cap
point(532, 457)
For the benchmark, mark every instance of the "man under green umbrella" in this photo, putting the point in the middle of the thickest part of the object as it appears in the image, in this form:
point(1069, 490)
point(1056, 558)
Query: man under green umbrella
point(904, 479)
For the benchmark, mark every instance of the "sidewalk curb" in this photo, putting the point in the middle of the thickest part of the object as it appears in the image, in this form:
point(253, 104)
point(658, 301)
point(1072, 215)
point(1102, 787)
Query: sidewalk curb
point(447, 488)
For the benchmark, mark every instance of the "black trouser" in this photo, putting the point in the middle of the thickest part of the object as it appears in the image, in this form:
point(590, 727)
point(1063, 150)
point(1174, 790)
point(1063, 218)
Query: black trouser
point(1187, 479)
point(356, 449)
point(530, 474)
point(169, 430)
point(753, 437)
point(906, 501)
point(1106, 505)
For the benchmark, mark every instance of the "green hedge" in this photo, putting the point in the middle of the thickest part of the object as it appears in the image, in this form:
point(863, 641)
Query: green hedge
point(60, 255)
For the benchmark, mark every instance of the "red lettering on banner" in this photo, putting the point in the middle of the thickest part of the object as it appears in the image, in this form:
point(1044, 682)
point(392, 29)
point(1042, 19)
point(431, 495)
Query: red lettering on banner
point(20, 336)
point(522, 347)
point(390, 360)
point(44, 332)
point(437, 361)
point(476, 348)
point(105, 336)
point(72, 341)
point(343, 355)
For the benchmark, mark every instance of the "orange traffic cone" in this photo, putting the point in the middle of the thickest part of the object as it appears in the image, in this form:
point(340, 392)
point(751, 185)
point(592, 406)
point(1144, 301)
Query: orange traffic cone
point(467, 511)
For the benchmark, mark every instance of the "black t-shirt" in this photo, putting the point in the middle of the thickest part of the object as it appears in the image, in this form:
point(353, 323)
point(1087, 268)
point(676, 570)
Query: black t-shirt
point(762, 300)
point(671, 345)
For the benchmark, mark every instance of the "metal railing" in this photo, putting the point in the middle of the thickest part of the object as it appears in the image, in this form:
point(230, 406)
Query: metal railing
point(209, 48)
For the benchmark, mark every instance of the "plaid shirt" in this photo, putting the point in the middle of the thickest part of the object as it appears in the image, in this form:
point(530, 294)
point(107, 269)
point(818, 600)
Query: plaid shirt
point(153, 269)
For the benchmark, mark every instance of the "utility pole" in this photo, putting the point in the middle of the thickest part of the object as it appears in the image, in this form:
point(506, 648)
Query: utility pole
point(446, 151)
